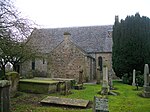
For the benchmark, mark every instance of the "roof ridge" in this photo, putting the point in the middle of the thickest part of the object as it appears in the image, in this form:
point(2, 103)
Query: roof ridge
point(74, 27)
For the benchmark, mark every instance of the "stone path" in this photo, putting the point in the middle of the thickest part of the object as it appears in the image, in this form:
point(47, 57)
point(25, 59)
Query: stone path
point(65, 101)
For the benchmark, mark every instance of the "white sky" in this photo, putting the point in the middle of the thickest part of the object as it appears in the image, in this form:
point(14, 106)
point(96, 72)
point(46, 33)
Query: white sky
point(67, 13)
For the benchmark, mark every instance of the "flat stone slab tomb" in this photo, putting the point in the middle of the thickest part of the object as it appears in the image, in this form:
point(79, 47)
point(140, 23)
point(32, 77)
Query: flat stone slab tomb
point(65, 101)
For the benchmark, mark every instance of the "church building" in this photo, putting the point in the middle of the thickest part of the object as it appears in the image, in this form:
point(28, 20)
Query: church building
point(64, 52)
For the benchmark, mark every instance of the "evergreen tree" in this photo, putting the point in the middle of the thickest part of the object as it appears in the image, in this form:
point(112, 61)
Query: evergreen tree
point(131, 44)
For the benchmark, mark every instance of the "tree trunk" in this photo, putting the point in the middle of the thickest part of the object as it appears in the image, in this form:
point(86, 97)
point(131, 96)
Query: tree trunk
point(16, 68)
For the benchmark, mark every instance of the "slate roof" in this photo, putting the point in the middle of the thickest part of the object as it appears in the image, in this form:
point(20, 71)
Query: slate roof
point(90, 39)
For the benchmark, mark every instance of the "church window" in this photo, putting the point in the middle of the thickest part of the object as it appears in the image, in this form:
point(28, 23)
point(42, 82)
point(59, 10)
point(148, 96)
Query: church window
point(100, 62)
point(43, 61)
point(33, 64)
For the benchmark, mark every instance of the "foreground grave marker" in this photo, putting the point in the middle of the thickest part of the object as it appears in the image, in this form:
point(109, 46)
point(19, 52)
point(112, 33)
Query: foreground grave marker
point(65, 101)
point(100, 104)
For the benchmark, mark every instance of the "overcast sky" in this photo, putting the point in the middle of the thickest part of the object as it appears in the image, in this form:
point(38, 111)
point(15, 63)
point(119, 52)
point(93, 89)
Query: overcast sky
point(68, 13)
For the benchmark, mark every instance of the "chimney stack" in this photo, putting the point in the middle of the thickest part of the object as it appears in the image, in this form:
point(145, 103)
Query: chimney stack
point(66, 36)
point(116, 18)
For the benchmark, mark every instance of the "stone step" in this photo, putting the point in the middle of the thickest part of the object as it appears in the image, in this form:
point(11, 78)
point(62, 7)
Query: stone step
point(65, 101)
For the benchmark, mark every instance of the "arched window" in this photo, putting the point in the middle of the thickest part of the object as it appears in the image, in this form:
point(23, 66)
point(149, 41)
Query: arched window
point(33, 64)
point(100, 62)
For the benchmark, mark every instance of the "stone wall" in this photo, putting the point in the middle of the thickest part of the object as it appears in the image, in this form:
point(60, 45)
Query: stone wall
point(66, 60)
point(107, 59)
point(91, 68)
point(40, 66)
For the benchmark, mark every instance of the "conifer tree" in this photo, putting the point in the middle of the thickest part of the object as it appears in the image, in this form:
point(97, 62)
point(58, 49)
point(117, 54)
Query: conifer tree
point(131, 44)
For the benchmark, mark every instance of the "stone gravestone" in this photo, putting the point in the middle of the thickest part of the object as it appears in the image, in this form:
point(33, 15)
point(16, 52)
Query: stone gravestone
point(146, 75)
point(4, 96)
point(98, 75)
point(100, 104)
point(8, 67)
point(80, 82)
point(146, 92)
point(133, 83)
point(67, 85)
point(80, 75)
point(13, 78)
point(110, 80)
point(105, 86)
point(105, 74)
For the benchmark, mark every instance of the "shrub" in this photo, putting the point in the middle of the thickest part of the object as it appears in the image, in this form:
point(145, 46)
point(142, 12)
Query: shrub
point(128, 78)
point(139, 78)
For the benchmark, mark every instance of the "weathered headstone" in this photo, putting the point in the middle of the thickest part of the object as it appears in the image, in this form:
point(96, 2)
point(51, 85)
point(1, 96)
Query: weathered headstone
point(98, 75)
point(133, 83)
point(105, 86)
point(100, 104)
point(13, 78)
point(80, 75)
point(4, 96)
point(65, 101)
point(8, 67)
point(146, 92)
point(67, 87)
point(110, 80)
point(146, 74)
point(79, 85)
point(105, 74)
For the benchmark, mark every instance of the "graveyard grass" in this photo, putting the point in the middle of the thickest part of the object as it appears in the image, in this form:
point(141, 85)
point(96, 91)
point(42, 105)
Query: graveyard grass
point(128, 100)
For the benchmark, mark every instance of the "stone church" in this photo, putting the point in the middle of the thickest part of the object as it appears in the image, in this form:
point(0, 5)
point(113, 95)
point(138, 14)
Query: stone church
point(63, 52)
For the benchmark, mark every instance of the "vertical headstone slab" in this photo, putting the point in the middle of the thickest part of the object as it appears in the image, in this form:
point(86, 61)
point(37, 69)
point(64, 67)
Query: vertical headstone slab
point(98, 75)
point(80, 75)
point(146, 74)
point(4, 96)
point(100, 104)
point(105, 74)
point(105, 86)
point(146, 92)
point(110, 80)
point(133, 83)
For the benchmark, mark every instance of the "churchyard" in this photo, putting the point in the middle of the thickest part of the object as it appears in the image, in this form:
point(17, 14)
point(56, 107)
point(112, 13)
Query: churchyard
point(65, 95)
point(35, 61)
point(128, 99)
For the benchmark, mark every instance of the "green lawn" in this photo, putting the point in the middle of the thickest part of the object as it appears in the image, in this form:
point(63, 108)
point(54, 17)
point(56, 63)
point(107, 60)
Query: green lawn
point(127, 101)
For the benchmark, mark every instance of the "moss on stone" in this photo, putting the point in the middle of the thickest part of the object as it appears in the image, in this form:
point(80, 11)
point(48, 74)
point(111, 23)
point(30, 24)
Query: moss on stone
point(39, 81)
point(38, 86)
point(13, 75)
point(33, 87)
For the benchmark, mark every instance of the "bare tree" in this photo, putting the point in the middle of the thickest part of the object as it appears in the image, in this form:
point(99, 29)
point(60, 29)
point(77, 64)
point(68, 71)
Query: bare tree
point(14, 31)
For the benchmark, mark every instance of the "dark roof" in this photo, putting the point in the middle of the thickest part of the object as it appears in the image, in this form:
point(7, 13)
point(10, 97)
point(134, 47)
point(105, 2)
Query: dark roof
point(90, 39)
